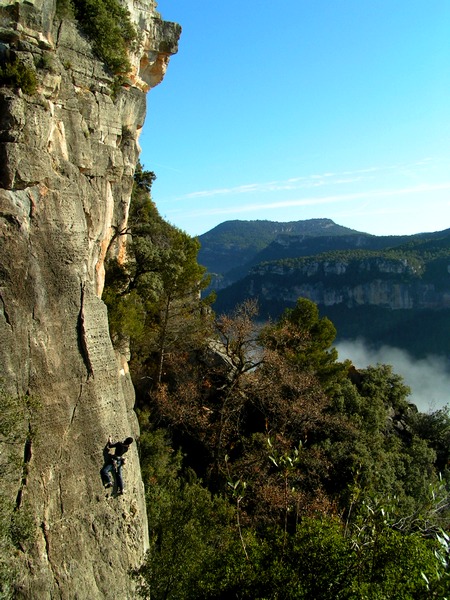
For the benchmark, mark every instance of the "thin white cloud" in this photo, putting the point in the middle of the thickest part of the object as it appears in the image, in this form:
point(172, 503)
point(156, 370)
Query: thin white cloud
point(368, 210)
point(305, 182)
point(368, 170)
point(331, 199)
point(293, 183)
point(167, 167)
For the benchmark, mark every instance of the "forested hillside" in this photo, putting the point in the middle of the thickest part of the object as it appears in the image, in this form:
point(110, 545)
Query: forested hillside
point(387, 290)
point(229, 250)
point(272, 470)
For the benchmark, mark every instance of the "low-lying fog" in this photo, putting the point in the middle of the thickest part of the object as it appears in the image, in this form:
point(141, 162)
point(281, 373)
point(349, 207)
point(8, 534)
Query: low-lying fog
point(429, 379)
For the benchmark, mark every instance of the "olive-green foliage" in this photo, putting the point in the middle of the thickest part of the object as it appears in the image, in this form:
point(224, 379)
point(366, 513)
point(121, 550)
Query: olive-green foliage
point(17, 427)
point(153, 298)
point(381, 455)
point(126, 311)
point(107, 23)
point(17, 530)
point(397, 553)
point(381, 538)
point(196, 551)
point(126, 318)
point(435, 429)
point(132, 289)
point(323, 561)
point(189, 528)
point(8, 566)
point(306, 339)
point(15, 73)
point(65, 9)
point(45, 61)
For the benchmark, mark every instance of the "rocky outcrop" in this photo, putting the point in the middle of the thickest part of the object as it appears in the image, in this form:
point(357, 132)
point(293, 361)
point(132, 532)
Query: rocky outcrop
point(68, 154)
point(393, 283)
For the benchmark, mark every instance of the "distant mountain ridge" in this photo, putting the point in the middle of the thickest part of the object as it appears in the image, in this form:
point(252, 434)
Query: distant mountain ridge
point(237, 243)
point(388, 289)
point(232, 248)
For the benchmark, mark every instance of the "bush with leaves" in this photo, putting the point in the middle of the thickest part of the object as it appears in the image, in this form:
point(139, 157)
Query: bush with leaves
point(306, 340)
point(344, 501)
point(191, 531)
point(434, 427)
point(108, 24)
point(345, 425)
point(197, 551)
point(15, 73)
point(153, 297)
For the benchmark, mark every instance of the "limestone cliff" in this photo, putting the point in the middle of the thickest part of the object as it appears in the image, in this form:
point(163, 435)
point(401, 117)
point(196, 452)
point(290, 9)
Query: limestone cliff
point(394, 283)
point(68, 154)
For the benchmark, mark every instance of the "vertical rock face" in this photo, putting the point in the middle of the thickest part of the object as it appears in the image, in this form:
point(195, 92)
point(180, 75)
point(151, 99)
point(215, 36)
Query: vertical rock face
point(67, 158)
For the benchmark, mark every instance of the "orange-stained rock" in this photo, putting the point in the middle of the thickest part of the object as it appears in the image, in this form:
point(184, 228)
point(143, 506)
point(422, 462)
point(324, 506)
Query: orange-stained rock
point(67, 159)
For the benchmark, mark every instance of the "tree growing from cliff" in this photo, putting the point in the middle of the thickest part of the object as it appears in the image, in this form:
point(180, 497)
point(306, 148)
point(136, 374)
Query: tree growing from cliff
point(153, 297)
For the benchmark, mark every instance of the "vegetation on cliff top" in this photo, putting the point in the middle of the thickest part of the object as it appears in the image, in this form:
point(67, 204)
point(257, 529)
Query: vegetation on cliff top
point(108, 25)
point(271, 469)
point(416, 255)
point(105, 22)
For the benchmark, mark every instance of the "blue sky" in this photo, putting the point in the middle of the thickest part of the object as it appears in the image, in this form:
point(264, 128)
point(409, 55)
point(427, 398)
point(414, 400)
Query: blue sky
point(302, 109)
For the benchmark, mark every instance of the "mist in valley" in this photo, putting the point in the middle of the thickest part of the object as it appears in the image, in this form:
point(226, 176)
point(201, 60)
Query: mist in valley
point(429, 378)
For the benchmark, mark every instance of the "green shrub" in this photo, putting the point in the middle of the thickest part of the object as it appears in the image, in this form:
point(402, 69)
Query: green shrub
point(108, 25)
point(45, 62)
point(190, 530)
point(15, 73)
point(65, 9)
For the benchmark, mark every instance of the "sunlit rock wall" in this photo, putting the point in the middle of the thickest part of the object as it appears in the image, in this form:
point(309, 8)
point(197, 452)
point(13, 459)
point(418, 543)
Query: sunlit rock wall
point(389, 283)
point(67, 158)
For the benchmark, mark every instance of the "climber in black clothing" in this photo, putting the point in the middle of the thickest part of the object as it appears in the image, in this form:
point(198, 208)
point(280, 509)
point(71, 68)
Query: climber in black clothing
point(114, 462)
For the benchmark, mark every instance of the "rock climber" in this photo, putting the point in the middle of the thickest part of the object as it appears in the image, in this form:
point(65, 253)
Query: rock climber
point(114, 463)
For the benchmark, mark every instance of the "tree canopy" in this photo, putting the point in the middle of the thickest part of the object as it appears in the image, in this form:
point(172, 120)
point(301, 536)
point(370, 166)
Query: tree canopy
point(272, 470)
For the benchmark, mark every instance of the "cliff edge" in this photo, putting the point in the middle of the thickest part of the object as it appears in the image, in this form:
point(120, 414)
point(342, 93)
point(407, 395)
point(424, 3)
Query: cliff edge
point(68, 152)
